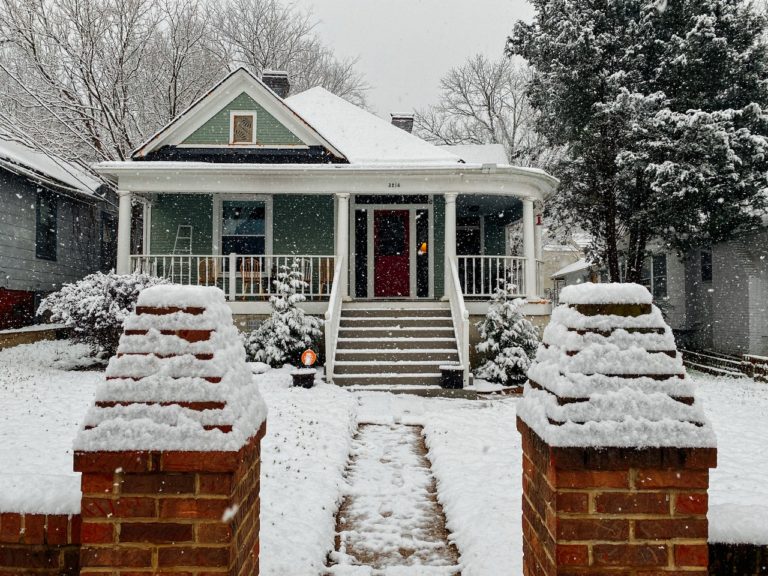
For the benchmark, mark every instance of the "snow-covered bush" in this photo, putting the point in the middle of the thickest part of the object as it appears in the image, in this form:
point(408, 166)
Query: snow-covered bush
point(507, 339)
point(288, 331)
point(95, 307)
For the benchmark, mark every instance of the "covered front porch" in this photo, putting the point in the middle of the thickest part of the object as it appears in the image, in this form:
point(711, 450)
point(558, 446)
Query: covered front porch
point(395, 245)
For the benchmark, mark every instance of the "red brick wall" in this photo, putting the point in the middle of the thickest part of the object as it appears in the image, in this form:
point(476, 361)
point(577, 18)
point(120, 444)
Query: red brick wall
point(162, 512)
point(39, 544)
point(614, 511)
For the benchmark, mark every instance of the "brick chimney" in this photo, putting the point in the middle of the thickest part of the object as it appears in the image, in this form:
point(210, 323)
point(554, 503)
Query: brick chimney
point(278, 81)
point(403, 121)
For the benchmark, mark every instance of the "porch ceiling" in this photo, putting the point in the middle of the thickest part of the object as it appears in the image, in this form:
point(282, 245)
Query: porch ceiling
point(193, 177)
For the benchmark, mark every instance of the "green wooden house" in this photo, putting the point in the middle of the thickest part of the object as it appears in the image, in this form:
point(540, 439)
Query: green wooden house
point(400, 241)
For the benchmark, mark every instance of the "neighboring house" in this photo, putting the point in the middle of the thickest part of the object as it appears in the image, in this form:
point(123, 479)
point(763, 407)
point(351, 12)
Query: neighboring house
point(565, 263)
point(396, 237)
point(56, 227)
point(718, 297)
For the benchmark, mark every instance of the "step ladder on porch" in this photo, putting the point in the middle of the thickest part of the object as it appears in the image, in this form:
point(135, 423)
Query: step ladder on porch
point(390, 344)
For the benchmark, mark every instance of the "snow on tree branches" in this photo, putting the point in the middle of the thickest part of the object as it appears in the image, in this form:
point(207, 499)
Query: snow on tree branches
point(96, 306)
point(662, 109)
point(288, 331)
point(507, 338)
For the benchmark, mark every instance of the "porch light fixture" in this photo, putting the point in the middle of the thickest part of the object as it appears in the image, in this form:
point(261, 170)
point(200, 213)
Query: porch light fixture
point(422, 248)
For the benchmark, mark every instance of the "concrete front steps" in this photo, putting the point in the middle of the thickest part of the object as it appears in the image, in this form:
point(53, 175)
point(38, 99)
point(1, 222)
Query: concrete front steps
point(393, 344)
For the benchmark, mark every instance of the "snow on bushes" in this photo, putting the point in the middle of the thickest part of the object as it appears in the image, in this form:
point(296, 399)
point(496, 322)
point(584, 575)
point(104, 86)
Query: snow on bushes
point(96, 306)
point(507, 338)
point(144, 404)
point(608, 374)
point(288, 331)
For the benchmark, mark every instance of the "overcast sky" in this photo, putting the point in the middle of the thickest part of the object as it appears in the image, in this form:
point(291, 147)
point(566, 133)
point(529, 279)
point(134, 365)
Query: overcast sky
point(405, 46)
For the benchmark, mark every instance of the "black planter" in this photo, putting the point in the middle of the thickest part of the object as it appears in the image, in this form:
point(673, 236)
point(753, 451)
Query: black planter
point(304, 378)
point(452, 377)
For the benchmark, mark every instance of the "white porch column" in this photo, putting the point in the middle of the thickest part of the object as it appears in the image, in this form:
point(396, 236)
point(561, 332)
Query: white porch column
point(450, 234)
point(529, 248)
point(342, 238)
point(124, 233)
point(537, 232)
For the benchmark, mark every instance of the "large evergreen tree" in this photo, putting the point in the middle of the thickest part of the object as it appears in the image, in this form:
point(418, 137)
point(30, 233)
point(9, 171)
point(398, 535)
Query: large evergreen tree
point(661, 105)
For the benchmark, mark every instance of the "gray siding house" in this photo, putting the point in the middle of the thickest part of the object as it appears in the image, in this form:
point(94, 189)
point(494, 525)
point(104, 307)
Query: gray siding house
point(57, 224)
point(718, 297)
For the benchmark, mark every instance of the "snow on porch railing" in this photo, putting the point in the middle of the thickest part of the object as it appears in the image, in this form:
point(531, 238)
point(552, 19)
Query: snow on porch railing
point(460, 315)
point(333, 319)
point(479, 275)
point(240, 276)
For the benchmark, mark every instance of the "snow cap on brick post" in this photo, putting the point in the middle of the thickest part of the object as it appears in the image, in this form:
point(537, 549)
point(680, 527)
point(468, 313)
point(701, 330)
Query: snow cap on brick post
point(615, 445)
point(169, 453)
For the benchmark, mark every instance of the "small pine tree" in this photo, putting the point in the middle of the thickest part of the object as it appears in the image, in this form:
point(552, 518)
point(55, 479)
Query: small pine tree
point(288, 331)
point(508, 339)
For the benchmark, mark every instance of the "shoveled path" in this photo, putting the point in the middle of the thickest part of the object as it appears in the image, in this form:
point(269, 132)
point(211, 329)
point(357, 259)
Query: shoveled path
point(390, 522)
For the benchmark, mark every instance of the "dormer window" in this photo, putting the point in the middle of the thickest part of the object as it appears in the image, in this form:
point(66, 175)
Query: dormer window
point(242, 127)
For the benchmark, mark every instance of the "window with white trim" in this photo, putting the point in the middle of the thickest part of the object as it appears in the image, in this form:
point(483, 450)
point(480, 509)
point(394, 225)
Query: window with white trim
point(242, 127)
point(243, 227)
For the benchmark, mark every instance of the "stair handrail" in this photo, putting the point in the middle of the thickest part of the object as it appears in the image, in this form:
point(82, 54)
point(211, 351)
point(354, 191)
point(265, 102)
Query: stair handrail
point(333, 319)
point(460, 315)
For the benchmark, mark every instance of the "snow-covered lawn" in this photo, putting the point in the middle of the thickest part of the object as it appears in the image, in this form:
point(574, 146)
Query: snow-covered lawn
point(42, 403)
point(473, 446)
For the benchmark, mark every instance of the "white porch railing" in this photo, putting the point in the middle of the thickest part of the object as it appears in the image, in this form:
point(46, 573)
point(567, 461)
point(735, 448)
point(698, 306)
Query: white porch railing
point(241, 276)
point(479, 275)
point(333, 319)
point(460, 315)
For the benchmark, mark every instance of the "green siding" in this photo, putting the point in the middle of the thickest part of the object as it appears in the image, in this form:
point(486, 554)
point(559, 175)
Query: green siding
point(268, 129)
point(303, 224)
point(169, 211)
point(494, 224)
point(438, 211)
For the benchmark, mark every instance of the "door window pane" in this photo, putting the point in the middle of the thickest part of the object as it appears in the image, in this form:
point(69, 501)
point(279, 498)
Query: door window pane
point(422, 253)
point(391, 235)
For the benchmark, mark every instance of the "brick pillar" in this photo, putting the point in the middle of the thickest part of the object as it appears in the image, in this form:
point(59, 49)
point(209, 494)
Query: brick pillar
point(615, 460)
point(154, 511)
point(170, 452)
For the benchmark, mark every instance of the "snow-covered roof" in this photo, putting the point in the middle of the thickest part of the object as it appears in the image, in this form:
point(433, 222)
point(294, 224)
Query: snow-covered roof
point(362, 137)
point(577, 266)
point(45, 168)
point(479, 153)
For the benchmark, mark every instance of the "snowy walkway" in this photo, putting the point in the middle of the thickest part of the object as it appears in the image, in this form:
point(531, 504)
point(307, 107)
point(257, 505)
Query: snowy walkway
point(390, 521)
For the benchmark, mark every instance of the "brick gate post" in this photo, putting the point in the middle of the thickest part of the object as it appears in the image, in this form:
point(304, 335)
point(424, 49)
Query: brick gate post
point(169, 453)
point(616, 451)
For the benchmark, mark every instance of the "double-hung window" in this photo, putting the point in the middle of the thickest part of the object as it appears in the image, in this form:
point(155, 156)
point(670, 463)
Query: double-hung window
point(243, 227)
point(46, 229)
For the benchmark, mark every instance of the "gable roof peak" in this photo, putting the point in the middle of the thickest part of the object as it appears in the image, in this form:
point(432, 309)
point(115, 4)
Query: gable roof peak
point(240, 80)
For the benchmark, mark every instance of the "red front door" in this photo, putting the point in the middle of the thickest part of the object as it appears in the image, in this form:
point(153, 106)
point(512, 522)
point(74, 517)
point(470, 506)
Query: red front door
point(392, 273)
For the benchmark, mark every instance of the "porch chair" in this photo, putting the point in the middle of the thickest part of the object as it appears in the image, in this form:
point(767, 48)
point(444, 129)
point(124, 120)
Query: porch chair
point(207, 272)
point(250, 271)
point(325, 276)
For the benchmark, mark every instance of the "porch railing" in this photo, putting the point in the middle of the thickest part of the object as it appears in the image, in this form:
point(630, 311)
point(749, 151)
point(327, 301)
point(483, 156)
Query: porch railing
point(460, 315)
point(240, 276)
point(333, 319)
point(479, 275)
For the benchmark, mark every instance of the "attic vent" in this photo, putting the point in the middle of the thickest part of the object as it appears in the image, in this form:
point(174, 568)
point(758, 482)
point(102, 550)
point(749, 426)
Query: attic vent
point(243, 129)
